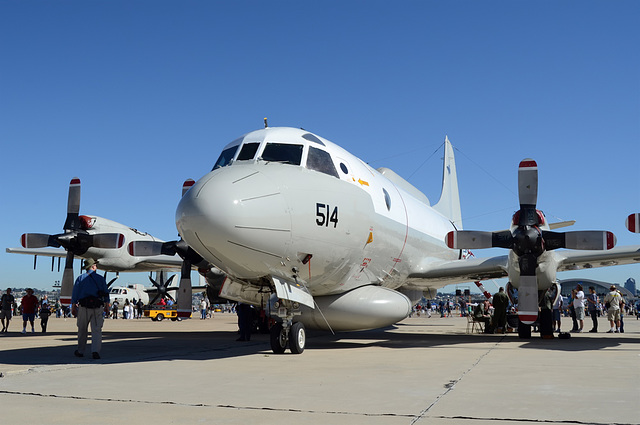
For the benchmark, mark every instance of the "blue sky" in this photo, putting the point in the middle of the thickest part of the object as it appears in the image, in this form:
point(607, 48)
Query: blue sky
point(134, 97)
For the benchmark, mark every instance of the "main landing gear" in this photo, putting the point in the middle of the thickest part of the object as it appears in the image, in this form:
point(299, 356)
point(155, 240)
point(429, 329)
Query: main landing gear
point(287, 333)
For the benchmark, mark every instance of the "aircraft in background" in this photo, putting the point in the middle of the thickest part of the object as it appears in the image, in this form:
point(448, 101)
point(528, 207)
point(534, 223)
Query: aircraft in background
point(303, 226)
point(88, 236)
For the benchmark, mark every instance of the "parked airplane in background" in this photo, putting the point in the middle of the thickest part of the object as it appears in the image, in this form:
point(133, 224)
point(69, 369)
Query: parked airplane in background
point(88, 236)
point(299, 224)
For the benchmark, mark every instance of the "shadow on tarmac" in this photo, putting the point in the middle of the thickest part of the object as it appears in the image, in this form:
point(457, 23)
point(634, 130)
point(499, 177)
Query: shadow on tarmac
point(145, 346)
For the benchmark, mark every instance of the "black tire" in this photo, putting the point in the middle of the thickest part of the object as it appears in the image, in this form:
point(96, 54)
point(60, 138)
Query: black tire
point(160, 317)
point(278, 339)
point(297, 338)
point(524, 331)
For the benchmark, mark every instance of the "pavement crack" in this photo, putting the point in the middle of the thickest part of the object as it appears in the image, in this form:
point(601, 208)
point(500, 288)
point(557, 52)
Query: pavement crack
point(450, 386)
point(207, 405)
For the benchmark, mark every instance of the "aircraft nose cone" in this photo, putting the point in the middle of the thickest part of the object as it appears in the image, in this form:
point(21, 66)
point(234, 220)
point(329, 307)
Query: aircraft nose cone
point(236, 218)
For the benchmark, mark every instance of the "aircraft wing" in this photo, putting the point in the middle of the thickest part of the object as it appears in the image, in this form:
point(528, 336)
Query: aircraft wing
point(44, 252)
point(151, 263)
point(577, 260)
point(458, 271)
point(474, 269)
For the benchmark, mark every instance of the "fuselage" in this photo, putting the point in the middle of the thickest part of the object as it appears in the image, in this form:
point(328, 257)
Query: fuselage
point(118, 259)
point(283, 202)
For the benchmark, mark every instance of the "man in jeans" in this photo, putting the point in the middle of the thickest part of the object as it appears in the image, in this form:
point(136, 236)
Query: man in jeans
point(90, 297)
point(592, 306)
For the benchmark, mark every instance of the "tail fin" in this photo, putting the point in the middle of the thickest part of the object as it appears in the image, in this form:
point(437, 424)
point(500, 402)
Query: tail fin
point(449, 203)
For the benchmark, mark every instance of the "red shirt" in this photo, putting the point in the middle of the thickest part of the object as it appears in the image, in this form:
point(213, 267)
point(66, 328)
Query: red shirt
point(29, 304)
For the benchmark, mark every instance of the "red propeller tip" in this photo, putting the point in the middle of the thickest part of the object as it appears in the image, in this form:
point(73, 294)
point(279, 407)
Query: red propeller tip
point(74, 181)
point(611, 240)
point(450, 240)
point(528, 163)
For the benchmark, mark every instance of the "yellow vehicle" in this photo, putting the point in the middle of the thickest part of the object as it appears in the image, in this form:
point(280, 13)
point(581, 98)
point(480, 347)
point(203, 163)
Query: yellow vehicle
point(158, 313)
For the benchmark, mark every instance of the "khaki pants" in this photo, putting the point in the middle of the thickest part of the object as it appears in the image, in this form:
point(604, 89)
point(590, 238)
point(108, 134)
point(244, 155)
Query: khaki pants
point(93, 316)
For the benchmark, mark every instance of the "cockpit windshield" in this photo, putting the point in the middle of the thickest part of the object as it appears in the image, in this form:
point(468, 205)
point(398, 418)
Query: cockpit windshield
point(248, 151)
point(225, 157)
point(282, 152)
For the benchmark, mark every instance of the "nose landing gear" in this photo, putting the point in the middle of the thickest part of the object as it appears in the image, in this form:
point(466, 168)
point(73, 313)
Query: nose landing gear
point(287, 333)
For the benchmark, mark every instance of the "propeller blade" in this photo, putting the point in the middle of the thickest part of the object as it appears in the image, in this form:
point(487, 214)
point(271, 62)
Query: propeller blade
point(113, 280)
point(184, 291)
point(38, 240)
point(73, 206)
point(633, 223)
point(586, 239)
point(528, 183)
point(145, 248)
point(528, 299)
point(108, 240)
point(66, 287)
point(187, 185)
point(470, 239)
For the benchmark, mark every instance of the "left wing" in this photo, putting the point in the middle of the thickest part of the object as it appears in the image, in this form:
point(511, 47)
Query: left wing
point(578, 260)
point(473, 269)
point(459, 271)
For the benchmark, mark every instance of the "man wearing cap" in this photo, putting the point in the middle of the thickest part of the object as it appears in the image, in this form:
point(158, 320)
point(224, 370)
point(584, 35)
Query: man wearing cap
point(90, 297)
point(613, 301)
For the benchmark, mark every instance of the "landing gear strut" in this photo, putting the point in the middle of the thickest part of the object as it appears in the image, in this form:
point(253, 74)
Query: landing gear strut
point(287, 333)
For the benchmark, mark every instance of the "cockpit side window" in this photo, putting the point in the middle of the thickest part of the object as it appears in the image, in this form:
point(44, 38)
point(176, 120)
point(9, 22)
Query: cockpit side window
point(319, 160)
point(248, 151)
point(225, 157)
point(282, 152)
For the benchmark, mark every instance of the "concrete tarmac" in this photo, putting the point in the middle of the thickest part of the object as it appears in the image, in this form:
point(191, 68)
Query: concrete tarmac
point(421, 371)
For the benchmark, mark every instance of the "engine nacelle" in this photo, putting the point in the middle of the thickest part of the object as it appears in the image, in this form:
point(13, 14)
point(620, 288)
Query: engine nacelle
point(367, 307)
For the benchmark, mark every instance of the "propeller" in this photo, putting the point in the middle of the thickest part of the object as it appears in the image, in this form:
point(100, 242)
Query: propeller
point(181, 248)
point(528, 241)
point(75, 239)
point(162, 286)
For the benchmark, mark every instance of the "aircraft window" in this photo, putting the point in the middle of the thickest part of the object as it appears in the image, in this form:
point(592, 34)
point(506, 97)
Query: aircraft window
point(344, 168)
point(282, 152)
point(248, 151)
point(320, 160)
point(310, 137)
point(387, 199)
point(225, 157)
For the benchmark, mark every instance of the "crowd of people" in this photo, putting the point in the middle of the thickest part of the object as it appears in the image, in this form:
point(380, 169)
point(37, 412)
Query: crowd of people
point(493, 312)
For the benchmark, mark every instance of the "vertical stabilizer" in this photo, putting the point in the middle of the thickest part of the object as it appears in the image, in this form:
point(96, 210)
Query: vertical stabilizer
point(449, 203)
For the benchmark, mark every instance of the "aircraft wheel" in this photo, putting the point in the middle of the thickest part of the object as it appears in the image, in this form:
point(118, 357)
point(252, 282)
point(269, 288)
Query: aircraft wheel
point(278, 339)
point(297, 338)
point(524, 331)
point(160, 317)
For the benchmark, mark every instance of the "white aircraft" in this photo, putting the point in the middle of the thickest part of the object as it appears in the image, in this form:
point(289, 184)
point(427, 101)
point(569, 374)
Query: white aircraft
point(303, 226)
point(88, 236)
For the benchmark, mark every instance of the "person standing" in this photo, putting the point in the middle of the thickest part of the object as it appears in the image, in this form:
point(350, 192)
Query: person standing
point(557, 314)
point(613, 301)
point(500, 305)
point(6, 304)
point(45, 312)
point(203, 309)
point(90, 297)
point(592, 306)
point(29, 306)
point(578, 306)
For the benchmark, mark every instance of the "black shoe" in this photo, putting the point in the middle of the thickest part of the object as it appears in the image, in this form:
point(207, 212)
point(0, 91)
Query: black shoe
point(593, 331)
point(95, 355)
point(78, 354)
